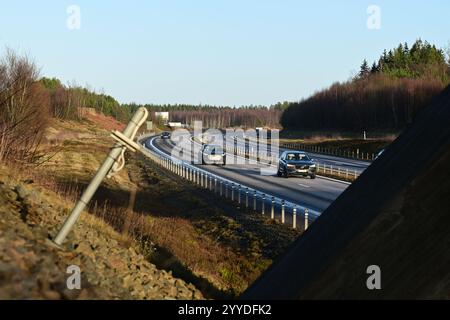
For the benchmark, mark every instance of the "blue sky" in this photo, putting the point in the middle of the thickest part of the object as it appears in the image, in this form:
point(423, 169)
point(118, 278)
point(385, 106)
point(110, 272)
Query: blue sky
point(221, 52)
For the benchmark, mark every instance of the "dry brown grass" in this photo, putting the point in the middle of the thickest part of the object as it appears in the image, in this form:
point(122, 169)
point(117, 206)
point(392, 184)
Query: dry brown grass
point(189, 234)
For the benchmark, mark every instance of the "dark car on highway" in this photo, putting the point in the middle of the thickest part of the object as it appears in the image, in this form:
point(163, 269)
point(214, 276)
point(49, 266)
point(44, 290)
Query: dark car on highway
point(296, 163)
point(165, 135)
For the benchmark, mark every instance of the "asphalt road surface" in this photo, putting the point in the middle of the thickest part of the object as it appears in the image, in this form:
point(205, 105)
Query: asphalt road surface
point(352, 165)
point(316, 194)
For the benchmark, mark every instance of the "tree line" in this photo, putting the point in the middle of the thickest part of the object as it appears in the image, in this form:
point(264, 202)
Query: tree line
point(68, 101)
point(28, 102)
point(217, 116)
point(385, 96)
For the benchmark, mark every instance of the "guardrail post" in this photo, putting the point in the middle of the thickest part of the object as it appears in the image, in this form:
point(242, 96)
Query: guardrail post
point(294, 217)
point(346, 174)
point(272, 212)
point(283, 218)
point(215, 185)
point(263, 203)
point(226, 190)
point(306, 218)
point(221, 188)
point(232, 192)
point(239, 194)
point(246, 198)
point(254, 200)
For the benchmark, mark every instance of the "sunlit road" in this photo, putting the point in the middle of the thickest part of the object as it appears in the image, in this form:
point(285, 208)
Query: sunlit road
point(316, 194)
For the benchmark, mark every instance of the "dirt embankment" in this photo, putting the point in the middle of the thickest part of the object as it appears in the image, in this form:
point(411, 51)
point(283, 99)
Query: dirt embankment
point(30, 267)
point(33, 204)
point(142, 226)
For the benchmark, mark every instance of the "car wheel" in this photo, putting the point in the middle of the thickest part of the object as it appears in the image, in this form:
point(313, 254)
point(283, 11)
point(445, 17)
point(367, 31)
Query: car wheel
point(312, 176)
point(279, 173)
point(285, 174)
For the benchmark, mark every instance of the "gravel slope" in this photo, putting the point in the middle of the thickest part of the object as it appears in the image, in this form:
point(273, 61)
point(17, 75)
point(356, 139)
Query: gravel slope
point(31, 268)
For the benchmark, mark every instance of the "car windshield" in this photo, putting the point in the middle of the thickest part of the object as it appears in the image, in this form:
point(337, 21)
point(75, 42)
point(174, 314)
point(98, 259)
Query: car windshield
point(214, 149)
point(295, 156)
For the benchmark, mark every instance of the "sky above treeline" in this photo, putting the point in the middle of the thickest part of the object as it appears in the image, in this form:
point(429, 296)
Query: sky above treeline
point(222, 52)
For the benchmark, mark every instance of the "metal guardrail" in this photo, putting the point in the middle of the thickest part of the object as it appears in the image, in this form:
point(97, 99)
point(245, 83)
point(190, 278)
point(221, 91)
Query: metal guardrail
point(322, 168)
point(337, 152)
point(250, 152)
point(245, 196)
point(337, 172)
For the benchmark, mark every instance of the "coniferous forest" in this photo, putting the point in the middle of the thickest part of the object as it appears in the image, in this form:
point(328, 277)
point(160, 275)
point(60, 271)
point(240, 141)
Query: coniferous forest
point(384, 95)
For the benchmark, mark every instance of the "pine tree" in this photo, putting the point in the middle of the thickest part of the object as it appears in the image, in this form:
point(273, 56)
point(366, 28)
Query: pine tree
point(364, 71)
point(390, 57)
point(406, 49)
point(375, 68)
point(384, 57)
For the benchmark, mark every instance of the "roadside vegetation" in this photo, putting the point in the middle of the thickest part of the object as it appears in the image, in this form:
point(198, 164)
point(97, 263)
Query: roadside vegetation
point(54, 137)
point(211, 244)
point(385, 96)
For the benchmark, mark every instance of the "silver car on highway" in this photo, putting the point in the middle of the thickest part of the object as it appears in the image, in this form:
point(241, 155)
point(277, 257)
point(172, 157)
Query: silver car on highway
point(212, 154)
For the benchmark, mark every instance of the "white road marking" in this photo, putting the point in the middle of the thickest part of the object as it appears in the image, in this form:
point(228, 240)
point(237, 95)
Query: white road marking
point(303, 185)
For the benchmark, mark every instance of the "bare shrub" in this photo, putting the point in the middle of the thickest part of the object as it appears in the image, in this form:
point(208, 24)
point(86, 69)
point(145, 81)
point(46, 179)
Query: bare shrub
point(24, 109)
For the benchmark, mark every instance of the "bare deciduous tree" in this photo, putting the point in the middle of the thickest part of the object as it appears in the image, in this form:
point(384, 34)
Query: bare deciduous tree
point(24, 108)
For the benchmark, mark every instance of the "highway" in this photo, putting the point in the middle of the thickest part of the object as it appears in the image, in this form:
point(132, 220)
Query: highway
point(315, 194)
point(352, 165)
point(344, 163)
